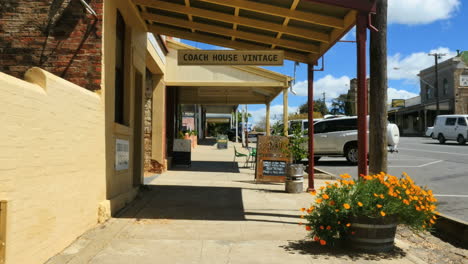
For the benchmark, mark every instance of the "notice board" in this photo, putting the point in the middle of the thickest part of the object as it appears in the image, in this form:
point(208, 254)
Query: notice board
point(272, 160)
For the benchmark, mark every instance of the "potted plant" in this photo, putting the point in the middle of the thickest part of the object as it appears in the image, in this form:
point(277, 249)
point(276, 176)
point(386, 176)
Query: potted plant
point(365, 213)
point(297, 152)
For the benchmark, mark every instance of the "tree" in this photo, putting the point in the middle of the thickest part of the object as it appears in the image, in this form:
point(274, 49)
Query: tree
point(378, 91)
point(319, 106)
point(339, 105)
point(260, 126)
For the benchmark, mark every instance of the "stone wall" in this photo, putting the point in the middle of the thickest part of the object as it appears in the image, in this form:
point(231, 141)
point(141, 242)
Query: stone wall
point(56, 35)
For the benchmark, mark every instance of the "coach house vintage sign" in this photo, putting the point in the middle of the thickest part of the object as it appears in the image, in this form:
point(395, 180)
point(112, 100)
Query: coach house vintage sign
point(272, 159)
point(230, 57)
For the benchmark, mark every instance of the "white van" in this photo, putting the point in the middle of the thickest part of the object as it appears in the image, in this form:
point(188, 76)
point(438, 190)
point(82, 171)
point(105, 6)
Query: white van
point(451, 127)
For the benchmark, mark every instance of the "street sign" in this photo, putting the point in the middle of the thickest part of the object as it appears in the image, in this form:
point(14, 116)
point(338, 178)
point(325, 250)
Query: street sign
point(230, 57)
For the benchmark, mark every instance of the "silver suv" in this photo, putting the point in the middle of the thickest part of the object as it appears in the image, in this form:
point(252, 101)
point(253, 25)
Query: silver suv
point(338, 137)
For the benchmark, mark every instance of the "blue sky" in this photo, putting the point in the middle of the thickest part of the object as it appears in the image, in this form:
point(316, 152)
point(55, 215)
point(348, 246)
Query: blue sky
point(416, 28)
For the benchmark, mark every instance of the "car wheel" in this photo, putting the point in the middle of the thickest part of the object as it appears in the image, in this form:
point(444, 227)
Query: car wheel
point(461, 140)
point(441, 139)
point(351, 154)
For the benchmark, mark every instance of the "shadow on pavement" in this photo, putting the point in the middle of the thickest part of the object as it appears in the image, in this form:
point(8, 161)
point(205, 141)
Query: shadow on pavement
point(207, 142)
point(210, 166)
point(191, 203)
point(335, 163)
point(311, 248)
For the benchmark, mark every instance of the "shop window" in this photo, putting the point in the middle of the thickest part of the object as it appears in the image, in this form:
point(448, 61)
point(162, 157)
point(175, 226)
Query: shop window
point(445, 86)
point(428, 92)
point(121, 92)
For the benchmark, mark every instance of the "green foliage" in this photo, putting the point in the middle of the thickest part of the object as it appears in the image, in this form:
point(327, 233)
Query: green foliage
point(319, 107)
point(296, 145)
point(277, 129)
point(376, 196)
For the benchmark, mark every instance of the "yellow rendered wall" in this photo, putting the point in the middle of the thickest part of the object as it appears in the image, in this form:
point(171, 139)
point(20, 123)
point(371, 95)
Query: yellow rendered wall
point(52, 164)
point(159, 123)
point(120, 188)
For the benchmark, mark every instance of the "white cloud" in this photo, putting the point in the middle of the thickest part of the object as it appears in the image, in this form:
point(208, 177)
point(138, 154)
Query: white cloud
point(276, 113)
point(331, 86)
point(393, 93)
point(407, 68)
point(413, 12)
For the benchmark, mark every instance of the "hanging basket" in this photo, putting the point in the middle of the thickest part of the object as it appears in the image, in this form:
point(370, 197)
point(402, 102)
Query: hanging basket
point(372, 234)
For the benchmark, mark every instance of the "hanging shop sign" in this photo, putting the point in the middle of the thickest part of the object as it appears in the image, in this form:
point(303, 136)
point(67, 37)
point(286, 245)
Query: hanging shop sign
point(272, 159)
point(398, 103)
point(230, 57)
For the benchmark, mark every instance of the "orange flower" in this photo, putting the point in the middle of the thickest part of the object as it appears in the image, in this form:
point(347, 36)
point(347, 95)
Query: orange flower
point(308, 228)
point(321, 227)
point(302, 209)
point(379, 206)
point(406, 202)
point(313, 192)
point(332, 203)
point(316, 238)
point(376, 195)
point(432, 221)
point(337, 210)
point(360, 204)
point(321, 188)
point(325, 196)
point(382, 213)
point(348, 224)
point(319, 200)
point(323, 242)
point(329, 227)
point(346, 206)
point(382, 196)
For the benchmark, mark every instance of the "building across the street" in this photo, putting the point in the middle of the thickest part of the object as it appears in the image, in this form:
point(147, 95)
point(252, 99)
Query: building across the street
point(419, 112)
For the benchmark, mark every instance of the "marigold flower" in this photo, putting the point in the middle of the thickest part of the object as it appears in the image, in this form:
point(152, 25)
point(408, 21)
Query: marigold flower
point(329, 227)
point(376, 195)
point(360, 204)
point(382, 213)
point(316, 238)
point(346, 206)
point(351, 182)
point(302, 209)
point(323, 242)
point(337, 210)
point(348, 224)
point(321, 227)
point(332, 203)
point(325, 196)
point(319, 200)
point(321, 188)
point(379, 206)
point(382, 196)
point(313, 192)
point(432, 221)
point(406, 202)
point(308, 228)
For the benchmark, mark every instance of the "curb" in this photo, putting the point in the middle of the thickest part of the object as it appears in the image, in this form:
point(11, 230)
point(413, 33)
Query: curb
point(453, 230)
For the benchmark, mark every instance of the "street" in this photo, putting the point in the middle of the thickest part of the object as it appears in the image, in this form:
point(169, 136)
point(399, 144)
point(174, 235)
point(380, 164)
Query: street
point(443, 168)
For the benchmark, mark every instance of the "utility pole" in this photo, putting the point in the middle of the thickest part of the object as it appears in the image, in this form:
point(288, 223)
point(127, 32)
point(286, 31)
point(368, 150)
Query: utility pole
point(437, 56)
point(378, 92)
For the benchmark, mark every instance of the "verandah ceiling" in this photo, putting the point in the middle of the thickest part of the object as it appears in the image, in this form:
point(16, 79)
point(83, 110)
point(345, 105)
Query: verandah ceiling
point(303, 29)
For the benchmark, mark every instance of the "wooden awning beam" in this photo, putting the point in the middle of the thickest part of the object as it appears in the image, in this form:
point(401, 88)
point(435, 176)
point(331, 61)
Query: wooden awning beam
point(308, 17)
point(296, 45)
point(227, 18)
point(169, 31)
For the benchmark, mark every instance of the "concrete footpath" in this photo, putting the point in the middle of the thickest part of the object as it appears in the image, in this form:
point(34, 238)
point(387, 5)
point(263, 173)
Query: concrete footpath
point(213, 212)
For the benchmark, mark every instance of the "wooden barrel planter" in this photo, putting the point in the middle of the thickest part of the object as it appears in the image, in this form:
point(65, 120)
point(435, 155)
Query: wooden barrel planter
point(372, 234)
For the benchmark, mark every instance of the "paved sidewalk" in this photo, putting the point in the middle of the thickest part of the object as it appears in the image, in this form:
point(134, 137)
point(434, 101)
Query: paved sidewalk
point(213, 212)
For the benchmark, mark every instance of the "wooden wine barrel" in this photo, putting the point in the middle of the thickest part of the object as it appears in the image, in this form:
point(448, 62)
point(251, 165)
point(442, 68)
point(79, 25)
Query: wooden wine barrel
point(373, 234)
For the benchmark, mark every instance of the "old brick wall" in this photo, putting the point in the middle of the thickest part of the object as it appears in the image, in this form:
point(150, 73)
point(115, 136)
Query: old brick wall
point(56, 35)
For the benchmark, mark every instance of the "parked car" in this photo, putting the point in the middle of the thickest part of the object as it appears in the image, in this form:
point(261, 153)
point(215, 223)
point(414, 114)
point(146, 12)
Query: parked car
point(337, 137)
point(429, 131)
point(451, 127)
